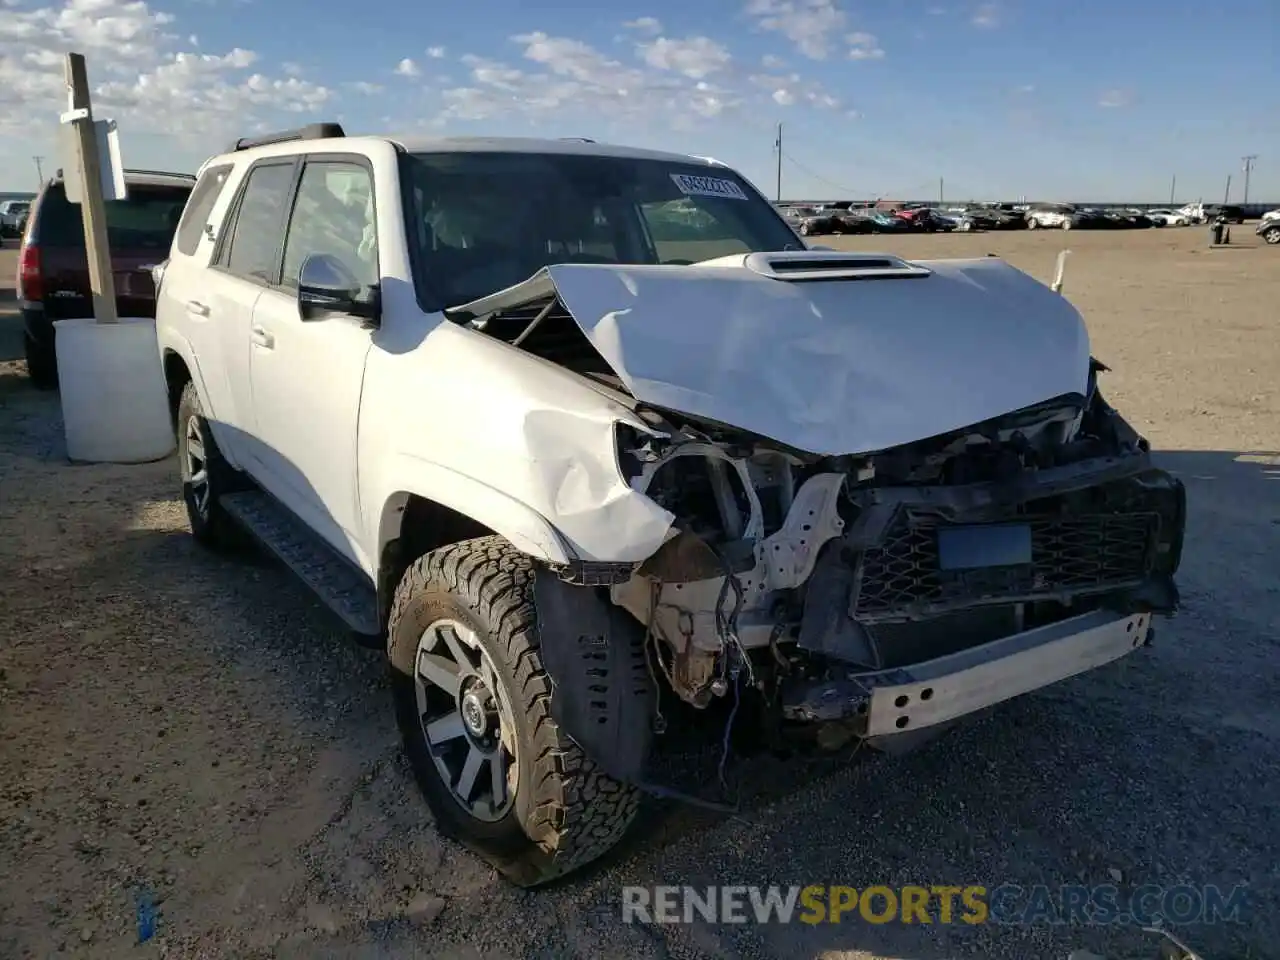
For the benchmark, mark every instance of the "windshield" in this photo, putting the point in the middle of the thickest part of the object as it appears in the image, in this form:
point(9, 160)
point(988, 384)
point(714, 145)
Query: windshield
point(481, 222)
point(145, 221)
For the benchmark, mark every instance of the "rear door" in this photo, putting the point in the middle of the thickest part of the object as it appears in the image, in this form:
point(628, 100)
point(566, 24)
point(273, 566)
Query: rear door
point(246, 264)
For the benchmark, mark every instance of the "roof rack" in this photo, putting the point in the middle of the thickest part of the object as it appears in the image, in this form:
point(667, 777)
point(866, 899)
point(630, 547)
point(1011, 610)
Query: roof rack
point(161, 173)
point(312, 131)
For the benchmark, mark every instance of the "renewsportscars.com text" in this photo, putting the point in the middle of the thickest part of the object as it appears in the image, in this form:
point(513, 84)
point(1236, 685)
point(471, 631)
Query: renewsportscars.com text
point(974, 904)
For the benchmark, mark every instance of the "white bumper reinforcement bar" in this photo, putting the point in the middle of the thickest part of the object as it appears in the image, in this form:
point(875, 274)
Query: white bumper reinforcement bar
point(936, 691)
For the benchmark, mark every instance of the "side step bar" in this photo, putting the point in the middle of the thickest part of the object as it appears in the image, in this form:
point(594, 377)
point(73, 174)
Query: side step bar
point(344, 589)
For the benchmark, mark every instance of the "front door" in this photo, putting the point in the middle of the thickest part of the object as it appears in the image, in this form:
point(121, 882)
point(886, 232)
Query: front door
point(307, 376)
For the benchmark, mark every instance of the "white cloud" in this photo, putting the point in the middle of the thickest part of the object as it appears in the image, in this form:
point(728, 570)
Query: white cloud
point(809, 24)
point(145, 76)
point(291, 68)
point(783, 97)
point(864, 46)
point(1115, 98)
point(365, 88)
point(696, 57)
point(772, 62)
point(649, 25)
point(435, 53)
point(986, 16)
point(407, 68)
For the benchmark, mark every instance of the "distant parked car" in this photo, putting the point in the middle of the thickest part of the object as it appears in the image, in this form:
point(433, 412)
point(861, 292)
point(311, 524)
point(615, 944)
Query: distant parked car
point(12, 216)
point(1227, 212)
point(53, 269)
point(1049, 216)
point(925, 220)
point(809, 222)
point(1168, 218)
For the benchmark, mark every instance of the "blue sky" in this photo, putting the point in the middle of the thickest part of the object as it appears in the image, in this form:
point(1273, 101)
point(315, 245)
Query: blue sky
point(998, 99)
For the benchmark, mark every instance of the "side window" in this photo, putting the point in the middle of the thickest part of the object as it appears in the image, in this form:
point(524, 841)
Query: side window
point(199, 205)
point(334, 215)
point(253, 246)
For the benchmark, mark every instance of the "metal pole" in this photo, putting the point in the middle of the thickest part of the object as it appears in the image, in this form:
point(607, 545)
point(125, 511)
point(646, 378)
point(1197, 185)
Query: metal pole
point(39, 173)
point(1226, 196)
point(1248, 168)
point(778, 190)
point(1173, 189)
point(941, 194)
point(93, 209)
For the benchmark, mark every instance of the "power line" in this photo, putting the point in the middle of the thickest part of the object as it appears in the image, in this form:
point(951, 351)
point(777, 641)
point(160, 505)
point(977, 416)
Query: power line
point(817, 176)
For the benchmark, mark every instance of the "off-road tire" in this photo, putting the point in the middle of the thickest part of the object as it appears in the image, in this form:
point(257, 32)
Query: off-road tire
point(42, 363)
point(212, 527)
point(567, 812)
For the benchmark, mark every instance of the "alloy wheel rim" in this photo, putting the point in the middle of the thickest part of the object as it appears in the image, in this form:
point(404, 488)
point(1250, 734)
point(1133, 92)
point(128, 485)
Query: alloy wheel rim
point(197, 466)
point(466, 719)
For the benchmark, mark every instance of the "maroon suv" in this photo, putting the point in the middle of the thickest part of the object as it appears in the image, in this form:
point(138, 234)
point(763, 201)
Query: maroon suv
point(53, 269)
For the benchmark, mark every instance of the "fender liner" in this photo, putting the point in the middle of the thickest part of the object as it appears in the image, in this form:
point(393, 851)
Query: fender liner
point(604, 694)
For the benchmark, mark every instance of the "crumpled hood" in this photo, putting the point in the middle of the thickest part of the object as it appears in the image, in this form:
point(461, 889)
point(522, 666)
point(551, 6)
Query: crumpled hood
point(840, 366)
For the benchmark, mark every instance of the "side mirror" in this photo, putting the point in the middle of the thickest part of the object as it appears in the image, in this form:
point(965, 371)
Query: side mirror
point(326, 288)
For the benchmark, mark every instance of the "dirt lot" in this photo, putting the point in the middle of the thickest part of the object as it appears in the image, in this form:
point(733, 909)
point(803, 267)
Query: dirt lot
point(200, 729)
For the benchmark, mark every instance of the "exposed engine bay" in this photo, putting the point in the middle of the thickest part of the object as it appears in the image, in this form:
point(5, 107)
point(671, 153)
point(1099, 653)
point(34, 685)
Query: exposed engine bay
point(789, 570)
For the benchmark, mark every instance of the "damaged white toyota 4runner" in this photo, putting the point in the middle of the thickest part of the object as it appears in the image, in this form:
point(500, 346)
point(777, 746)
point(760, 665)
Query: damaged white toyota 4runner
point(584, 431)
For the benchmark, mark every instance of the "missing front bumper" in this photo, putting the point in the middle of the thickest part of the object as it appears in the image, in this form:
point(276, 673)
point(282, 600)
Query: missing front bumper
point(901, 700)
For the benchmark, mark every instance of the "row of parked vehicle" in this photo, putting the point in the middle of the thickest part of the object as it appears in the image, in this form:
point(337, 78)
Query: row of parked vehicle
point(848, 218)
point(13, 217)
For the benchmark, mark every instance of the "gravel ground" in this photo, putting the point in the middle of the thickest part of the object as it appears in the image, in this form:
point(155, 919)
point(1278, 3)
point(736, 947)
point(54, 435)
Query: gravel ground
point(198, 728)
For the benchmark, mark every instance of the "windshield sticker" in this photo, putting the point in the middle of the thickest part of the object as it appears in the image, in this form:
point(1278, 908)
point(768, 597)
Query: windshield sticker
point(694, 186)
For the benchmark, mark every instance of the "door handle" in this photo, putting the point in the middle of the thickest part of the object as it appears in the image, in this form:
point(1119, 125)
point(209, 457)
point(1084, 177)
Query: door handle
point(261, 337)
point(197, 308)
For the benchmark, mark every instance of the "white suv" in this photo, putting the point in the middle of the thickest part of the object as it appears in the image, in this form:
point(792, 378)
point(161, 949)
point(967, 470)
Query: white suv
point(591, 443)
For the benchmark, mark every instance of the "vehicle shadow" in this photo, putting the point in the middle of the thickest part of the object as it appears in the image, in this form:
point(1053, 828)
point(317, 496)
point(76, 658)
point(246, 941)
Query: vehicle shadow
point(1059, 787)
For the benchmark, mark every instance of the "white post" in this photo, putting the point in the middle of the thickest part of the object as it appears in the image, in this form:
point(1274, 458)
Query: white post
point(1062, 269)
point(93, 207)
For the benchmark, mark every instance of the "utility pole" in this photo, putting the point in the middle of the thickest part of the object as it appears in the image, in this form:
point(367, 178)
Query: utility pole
point(1173, 189)
point(941, 201)
point(93, 208)
point(778, 145)
point(1226, 196)
point(39, 173)
point(1248, 169)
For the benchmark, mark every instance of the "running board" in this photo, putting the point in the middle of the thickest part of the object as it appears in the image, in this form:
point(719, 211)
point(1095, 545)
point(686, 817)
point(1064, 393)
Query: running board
point(342, 588)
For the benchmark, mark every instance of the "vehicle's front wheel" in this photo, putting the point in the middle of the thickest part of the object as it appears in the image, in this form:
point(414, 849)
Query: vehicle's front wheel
point(206, 476)
point(1033, 224)
point(473, 702)
point(1272, 235)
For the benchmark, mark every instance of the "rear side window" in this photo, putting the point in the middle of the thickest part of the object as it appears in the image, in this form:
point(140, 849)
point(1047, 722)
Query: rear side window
point(147, 220)
point(203, 197)
point(259, 222)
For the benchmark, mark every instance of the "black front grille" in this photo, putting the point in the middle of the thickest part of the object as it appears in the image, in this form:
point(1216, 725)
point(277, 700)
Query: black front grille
point(1069, 555)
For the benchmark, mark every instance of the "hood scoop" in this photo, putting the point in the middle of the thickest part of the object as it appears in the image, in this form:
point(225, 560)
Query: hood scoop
point(799, 265)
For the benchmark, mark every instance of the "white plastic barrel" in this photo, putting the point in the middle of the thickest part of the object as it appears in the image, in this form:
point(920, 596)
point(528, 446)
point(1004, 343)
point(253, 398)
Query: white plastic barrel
point(114, 403)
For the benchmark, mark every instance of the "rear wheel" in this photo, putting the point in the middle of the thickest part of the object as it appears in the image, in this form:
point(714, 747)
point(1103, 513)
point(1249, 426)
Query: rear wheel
point(206, 476)
point(473, 702)
point(42, 362)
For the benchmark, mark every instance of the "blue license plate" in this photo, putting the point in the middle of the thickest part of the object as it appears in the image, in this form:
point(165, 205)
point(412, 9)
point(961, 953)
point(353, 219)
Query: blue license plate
point(986, 545)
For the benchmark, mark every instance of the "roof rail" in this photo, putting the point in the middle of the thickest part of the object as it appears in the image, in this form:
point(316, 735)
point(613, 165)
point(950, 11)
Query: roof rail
point(579, 139)
point(312, 131)
point(161, 173)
